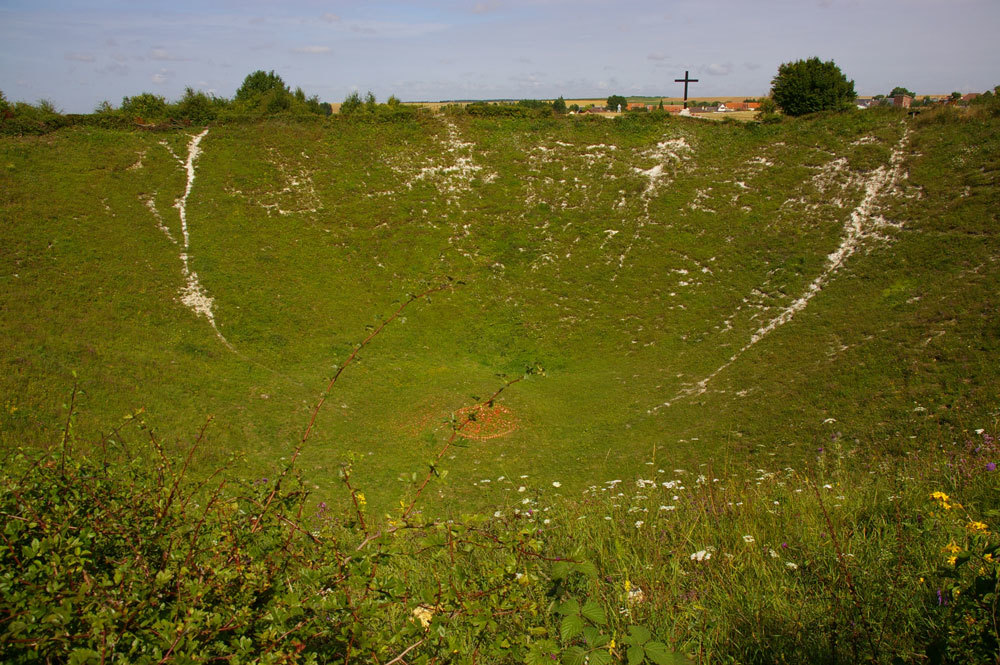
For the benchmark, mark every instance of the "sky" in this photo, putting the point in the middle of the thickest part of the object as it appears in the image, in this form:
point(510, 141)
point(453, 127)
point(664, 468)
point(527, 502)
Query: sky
point(79, 54)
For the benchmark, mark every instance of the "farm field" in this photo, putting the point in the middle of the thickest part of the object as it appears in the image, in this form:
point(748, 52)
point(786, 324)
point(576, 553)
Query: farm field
point(697, 295)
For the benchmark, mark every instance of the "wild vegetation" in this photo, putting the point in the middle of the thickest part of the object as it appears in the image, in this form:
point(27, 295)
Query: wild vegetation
point(479, 387)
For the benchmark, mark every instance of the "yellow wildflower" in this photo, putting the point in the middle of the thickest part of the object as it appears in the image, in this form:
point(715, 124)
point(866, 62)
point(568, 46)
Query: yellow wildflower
point(921, 580)
point(952, 559)
point(952, 547)
point(988, 557)
point(940, 496)
point(611, 645)
point(360, 496)
point(977, 526)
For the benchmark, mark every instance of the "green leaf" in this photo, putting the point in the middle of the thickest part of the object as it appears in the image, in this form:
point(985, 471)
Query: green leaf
point(594, 612)
point(636, 655)
point(574, 656)
point(587, 568)
point(569, 607)
point(541, 653)
point(637, 635)
point(661, 655)
point(572, 625)
point(560, 570)
point(600, 657)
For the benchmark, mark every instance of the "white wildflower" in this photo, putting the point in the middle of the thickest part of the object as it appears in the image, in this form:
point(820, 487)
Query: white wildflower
point(556, 483)
point(423, 615)
point(701, 555)
point(748, 539)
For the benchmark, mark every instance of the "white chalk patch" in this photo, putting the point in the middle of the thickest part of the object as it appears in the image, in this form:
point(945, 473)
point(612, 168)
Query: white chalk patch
point(862, 224)
point(192, 294)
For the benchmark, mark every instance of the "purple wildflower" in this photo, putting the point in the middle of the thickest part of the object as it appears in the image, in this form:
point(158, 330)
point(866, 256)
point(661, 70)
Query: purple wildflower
point(992, 466)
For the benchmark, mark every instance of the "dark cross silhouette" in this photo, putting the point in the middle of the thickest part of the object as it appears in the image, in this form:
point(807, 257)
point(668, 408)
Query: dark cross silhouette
point(687, 79)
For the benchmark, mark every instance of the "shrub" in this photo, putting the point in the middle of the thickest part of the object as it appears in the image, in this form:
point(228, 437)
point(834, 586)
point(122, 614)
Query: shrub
point(258, 84)
point(808, 86)
point(351, 104)
point(197, 107)
point(146, 106)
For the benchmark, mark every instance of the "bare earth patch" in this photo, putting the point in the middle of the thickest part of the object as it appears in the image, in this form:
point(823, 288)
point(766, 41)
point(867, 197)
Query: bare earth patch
point(485, 421)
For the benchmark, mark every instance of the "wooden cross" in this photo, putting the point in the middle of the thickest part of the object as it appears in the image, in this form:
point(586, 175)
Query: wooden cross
point(687, 79)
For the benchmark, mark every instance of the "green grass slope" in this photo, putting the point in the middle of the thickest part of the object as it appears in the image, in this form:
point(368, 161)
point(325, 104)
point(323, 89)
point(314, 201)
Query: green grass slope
point(696, 293)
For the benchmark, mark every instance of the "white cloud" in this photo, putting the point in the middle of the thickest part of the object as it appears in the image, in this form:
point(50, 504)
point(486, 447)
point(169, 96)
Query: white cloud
point(657, 57)
point(716, 69)
point(161, 76)
point(312, 49)
point(485, 7)
point(329, 18)
point(164, 55)
point(116, 68)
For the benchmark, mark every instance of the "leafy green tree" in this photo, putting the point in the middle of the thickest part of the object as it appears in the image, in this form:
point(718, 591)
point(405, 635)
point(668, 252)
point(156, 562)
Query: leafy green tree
point(615, 100)
point(260, 83)
point(4, 104)
point(351, 104)
point(955, 96)
point(808, 86)
point(559, 105)
point(197, 107)
point(146, 106)
point(900, 90)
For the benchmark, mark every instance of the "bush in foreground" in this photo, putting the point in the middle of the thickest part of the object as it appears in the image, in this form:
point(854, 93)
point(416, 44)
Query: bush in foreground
point(135, 561)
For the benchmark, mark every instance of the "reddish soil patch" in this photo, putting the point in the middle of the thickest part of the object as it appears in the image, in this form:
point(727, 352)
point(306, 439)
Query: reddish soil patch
point(485, 421)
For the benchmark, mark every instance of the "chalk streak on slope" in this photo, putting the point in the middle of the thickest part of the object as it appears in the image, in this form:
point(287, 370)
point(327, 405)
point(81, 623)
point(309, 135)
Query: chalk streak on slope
point(192, 294)
point(862, 224)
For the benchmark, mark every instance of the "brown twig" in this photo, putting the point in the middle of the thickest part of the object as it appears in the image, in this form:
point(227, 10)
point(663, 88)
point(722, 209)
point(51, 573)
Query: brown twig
point(451, 440)
point(333, 381)
point(399, 658)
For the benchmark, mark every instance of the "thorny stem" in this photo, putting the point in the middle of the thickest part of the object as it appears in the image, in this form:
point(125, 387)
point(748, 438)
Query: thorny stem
point(451, 440)
point(843, 566)
point(67, 428)
point(333, 381)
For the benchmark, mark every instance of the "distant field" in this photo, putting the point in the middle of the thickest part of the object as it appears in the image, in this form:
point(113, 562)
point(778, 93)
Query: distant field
point(701, 295)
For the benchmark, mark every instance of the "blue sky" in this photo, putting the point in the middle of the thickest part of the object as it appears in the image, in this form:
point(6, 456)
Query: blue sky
point(77, 54)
